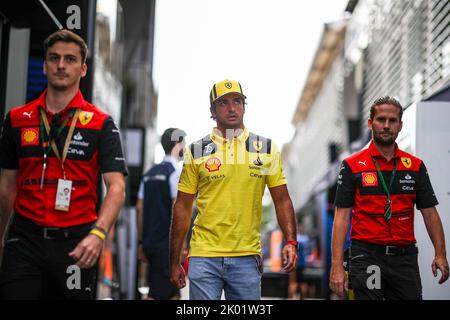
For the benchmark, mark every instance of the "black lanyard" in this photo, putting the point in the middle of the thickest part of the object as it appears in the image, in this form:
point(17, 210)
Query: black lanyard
point(388, 205)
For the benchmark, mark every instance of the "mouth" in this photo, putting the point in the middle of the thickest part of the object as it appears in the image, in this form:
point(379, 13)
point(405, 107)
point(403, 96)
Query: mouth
point(232, 117)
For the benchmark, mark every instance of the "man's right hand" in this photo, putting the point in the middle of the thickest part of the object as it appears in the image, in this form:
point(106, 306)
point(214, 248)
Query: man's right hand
point(178, 276)
point(338, 280)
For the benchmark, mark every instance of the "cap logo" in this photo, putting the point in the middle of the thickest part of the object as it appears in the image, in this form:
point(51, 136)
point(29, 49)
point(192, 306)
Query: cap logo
point(228, 85)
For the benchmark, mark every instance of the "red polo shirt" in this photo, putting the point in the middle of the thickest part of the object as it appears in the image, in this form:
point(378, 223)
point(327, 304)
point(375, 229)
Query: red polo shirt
point(95, 147)
point(360, 188)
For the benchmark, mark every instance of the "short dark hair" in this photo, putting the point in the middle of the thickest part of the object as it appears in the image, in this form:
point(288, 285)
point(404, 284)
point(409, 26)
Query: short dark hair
point(66, 36)
point(170, 138)
point(386, 100)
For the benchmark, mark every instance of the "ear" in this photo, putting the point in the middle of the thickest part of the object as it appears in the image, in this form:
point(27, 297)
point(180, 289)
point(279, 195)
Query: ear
point(213, 112)
point(401, 126)
point(369, 124)
point(83, 70)
point(44, 68)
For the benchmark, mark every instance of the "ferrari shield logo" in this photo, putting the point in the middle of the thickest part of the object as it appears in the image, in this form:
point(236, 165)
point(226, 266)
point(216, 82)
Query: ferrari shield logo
point(258, 145)
point(406, 162)
point(85, 117)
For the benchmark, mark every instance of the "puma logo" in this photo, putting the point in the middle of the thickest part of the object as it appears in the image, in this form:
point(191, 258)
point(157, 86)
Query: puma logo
point(362, 162)
point(28, 114)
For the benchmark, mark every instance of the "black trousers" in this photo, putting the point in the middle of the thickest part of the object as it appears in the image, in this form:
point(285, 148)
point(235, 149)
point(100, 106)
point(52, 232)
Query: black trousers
point(377, 274)
point(160, 287)
point(36, 264)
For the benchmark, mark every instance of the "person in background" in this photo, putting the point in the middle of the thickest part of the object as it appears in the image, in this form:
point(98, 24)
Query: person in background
point(381, 184)
point(52, 151)
point(157, 192)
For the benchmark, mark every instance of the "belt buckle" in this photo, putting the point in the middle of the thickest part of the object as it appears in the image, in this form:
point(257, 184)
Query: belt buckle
point(46, 236)
point(389, 253)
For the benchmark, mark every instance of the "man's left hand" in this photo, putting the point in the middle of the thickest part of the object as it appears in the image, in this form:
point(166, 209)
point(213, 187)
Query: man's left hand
point(87, 251)
point(289, 257)
point(440, 263)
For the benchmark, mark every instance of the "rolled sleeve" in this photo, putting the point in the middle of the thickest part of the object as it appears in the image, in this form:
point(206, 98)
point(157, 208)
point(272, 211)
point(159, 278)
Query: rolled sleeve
point(275, 176)
point(345, 192)
point(8, 150)
point(425, 197)
point(110, 149)
point(189, 175)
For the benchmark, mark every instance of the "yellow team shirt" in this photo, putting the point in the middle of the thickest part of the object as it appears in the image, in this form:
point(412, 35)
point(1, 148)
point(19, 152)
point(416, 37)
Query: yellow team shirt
point(229, 178)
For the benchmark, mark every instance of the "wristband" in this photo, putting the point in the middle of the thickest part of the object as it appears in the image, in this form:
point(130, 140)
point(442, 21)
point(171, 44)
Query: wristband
point(293, 242)
point(101, 230)
point(98, 233)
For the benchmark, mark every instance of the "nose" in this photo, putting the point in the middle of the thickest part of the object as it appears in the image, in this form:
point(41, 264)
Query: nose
point(386, 124)
point(61, 63)
point(231, 107)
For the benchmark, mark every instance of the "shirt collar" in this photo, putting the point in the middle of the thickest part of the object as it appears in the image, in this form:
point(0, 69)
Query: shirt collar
point(216, 136)
point(172, 160)
point(77, 102)
point(375, 153)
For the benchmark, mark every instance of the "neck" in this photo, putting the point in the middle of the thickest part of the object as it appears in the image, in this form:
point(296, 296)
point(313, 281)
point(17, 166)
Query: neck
point(174, 154)
point(58, 100)
point(386, 151)
point(226, 132)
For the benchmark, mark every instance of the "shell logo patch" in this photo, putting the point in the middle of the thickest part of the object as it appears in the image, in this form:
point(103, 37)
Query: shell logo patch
point(30, 137)
point(213, 164)
point(406, 162)
point(85, 117)
point(369, 179)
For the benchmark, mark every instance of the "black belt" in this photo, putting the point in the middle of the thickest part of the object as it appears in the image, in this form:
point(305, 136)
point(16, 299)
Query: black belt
point(387, 250)
point(51, 233)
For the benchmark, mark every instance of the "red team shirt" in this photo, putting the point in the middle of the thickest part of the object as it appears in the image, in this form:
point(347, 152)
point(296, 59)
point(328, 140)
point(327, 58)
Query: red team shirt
point(360, 188)
point(95, 147)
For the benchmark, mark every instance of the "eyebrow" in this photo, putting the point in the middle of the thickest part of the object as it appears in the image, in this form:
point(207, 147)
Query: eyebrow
point(59, 55)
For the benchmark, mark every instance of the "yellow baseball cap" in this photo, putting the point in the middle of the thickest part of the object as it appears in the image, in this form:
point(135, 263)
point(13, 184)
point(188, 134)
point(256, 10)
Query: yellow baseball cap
point(224, 87)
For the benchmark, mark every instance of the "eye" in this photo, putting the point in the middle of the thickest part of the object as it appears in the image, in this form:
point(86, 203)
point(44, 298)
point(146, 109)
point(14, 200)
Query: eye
point(237, 101)
point(221, 103)
point(70, 59)
point(53, 58)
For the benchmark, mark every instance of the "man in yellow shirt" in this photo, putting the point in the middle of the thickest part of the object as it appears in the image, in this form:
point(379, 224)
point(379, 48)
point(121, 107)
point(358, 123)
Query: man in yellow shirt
point(228, 171)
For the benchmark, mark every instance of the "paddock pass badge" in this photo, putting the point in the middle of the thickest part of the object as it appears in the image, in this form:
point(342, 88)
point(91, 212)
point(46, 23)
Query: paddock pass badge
point(63, 192)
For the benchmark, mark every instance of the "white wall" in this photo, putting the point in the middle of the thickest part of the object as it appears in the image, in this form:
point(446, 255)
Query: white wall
point(426, 133)
point(433, 146)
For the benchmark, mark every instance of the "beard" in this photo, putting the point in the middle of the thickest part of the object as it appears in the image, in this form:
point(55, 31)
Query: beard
point(379, 139)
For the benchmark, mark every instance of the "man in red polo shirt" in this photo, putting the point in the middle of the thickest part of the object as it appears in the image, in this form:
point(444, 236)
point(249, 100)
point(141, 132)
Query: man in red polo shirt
point(52, 151)
point(380, 185)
